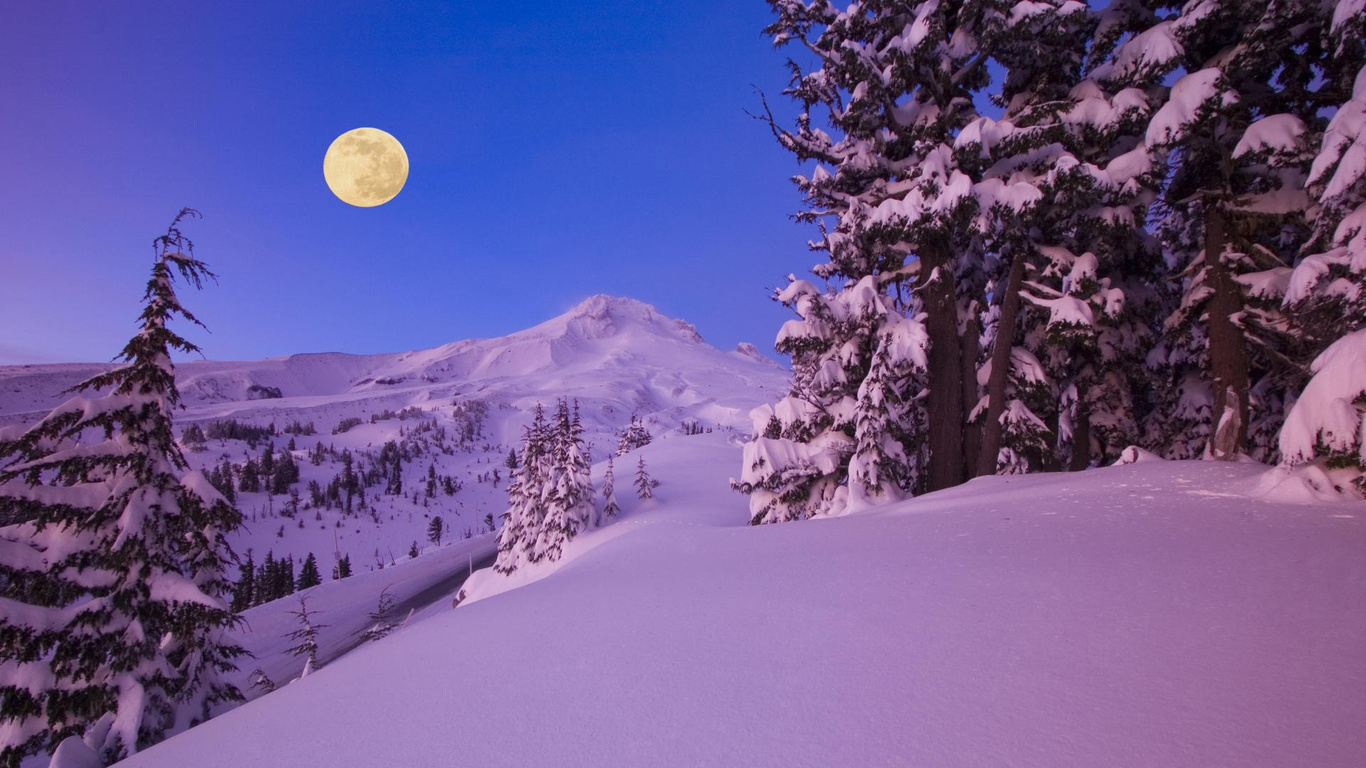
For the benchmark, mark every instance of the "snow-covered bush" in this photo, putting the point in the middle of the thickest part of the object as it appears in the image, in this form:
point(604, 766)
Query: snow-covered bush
point(1329, 419)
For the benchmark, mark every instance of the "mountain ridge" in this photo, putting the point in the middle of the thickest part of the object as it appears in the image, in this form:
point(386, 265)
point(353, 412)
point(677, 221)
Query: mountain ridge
point(622, 337)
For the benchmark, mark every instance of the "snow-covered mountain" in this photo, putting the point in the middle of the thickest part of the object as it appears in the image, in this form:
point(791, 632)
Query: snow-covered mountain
point(615, 355)
point(454, 412)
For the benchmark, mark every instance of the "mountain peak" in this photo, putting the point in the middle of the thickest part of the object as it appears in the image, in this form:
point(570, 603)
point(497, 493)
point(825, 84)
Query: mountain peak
point(600, 316)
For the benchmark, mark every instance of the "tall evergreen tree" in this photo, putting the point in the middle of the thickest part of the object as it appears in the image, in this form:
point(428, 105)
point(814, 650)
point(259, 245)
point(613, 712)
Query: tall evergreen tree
point(249, 480)
point(113, 554)
point(244, 591)
point(309, 576)
point(610, 507)
point(285, 472)
point(568, 489)
point(526, 511)
point(1327, 291)
point(1237, 127)
point(1067, 158)
point(905, 190)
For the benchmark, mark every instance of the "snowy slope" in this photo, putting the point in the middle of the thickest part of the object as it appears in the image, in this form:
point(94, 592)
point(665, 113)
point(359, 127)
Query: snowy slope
point(616, 356)
point(1144, 615)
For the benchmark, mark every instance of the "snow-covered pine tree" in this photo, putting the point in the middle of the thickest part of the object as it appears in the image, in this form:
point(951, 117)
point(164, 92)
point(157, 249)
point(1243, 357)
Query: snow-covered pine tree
point(610, 507)
point(568, 490)
point(112, 555)
point(645, 485)
point(526, 508)
point(1327, 292)
point(1237, 127)
point(1078, 350)
point(799, 463)
point(897, 82)
point(1066, 174)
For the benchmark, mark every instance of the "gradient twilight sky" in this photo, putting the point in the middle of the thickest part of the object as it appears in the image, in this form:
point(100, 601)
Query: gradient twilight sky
point(557, 150)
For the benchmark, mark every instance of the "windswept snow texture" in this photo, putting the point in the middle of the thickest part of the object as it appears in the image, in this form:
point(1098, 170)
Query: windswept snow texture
point(1149, 614)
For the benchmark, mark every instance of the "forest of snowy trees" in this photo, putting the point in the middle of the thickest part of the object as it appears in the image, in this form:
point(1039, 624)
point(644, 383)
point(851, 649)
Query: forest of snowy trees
point(1050, 232)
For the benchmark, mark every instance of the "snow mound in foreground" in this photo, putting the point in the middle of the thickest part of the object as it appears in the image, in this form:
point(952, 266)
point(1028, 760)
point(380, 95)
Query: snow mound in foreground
point(1148, 614)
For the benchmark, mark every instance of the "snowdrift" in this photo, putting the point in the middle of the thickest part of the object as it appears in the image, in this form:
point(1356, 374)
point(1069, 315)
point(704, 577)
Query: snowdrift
point(1148, 614)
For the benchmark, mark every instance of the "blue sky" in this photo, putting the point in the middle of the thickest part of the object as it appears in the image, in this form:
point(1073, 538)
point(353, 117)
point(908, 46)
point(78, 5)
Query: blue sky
point(557, 150)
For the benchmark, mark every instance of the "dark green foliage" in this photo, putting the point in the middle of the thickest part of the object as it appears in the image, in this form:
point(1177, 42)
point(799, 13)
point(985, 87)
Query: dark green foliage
point(244, 591)
point(284, 474)
point(234, 430)
point(302, 430)
point(435, 530)
point(249, 480)
point(192, 437)
point(308, 574)
point(261, 392)
point(346, 424)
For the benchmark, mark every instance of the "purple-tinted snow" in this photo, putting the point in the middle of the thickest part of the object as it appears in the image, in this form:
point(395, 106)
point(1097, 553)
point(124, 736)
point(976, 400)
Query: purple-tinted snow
point(1151, 614)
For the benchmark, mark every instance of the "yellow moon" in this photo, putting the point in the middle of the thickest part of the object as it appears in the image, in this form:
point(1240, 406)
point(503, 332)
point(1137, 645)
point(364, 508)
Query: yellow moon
point(365, 167)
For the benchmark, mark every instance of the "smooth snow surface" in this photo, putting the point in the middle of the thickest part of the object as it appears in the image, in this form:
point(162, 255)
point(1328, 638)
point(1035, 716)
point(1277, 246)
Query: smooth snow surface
point(1150, 614)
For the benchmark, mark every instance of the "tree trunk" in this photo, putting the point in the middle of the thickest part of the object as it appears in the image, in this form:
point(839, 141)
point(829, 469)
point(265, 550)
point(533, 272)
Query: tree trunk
point(1081, 434)
point(1227, 347)
point(972, 433)
point(1000, 368)
point(938, 294)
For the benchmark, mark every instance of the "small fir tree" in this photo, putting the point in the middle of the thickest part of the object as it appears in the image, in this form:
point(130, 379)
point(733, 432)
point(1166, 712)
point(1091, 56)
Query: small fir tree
point(244, 591)
point(645, 485)
point(610, 507)
point(381, 623)
point(306, 636)
point(308, 574)
point(435, 529)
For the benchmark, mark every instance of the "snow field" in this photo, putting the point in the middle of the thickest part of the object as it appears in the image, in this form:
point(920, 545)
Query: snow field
point(1150, 614)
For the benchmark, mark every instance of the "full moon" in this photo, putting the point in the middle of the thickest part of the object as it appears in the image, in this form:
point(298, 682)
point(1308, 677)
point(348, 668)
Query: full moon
point(365, 167)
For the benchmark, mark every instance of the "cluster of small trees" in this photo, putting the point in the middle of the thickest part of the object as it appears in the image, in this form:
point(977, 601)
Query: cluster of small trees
point(231, 429)
point(550, 493)
point(274, 579)
point(272, 473)
point(1110, 261)
point(634, 436)
point(469, 416)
